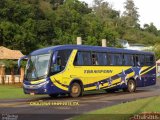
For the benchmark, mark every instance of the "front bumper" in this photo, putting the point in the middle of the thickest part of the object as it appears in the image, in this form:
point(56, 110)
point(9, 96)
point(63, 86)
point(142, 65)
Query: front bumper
point(46, 87)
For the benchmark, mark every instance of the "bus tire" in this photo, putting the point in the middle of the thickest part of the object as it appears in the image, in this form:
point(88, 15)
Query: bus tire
point(53, 95)
point(75, 90)
point(131, 86)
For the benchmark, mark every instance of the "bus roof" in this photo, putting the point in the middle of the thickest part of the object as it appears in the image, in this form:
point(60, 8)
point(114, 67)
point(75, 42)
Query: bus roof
point(90, 48)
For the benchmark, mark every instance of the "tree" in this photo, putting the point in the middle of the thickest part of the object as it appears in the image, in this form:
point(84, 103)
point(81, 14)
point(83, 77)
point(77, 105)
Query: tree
point(56, 3)
point(24, 25)
point(31, 24)
point(151, 28)
point(108, 19)
point(131, 14)
point(156, 49)
point(1, 37)
point(104, 11)
point(68, 21)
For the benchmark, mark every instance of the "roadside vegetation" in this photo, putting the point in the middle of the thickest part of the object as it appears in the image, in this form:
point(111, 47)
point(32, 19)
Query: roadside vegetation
point(123, 111)
point(13, 92)
point(31, 24)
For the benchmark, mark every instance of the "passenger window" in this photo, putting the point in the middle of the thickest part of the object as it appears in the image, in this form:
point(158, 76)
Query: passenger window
point(141, 60)
point(149, 60)
point(111, 59)
point(94, 59)
point(115, 59)
point(102, 58)
point(136, 60)
point(83, 58)
point(118, 59)
point(128, 60)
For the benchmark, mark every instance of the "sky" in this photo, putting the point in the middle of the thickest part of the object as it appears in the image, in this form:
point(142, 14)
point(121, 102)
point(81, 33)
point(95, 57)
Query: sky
point(148, 10)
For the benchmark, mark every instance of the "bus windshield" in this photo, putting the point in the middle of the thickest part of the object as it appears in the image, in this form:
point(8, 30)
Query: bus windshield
point(37, 67)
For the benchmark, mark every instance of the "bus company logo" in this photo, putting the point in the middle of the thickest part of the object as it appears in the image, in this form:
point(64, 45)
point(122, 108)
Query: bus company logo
point(97, 71)
point(9, 117)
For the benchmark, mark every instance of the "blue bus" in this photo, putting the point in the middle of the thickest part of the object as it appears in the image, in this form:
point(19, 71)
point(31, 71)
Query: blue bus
point(74, 69)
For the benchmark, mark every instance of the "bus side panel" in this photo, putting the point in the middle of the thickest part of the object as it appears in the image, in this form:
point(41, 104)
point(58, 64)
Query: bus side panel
point(147, 78)
point(150, 78)
point(95, 81)
point(140, 82)
point(103, 77)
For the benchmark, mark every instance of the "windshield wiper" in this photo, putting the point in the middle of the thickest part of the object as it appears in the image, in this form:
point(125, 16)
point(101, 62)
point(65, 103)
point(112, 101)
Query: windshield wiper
point(41, 77)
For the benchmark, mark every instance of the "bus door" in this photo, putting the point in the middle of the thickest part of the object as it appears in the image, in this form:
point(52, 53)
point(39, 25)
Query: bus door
point(138, 64)
point(60, 59)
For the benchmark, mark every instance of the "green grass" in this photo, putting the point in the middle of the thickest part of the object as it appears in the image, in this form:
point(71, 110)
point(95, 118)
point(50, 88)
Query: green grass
point(123, 111)
point(13, 92)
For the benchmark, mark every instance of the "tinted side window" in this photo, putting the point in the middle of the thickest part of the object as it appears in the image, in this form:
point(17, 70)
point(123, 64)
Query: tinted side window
point(83, 58)
point(118, 59)
point(111, 59)
point(94, 59)
point(115, 59)
point(141, 59)
point(149, 60)
point(102, 58)
point(63, 55)
point(136, 61)
point(128, 60)
point(59, 61)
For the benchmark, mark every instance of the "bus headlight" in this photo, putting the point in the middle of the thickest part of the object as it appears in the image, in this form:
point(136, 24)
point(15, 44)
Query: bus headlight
point(43, 84)
point(35, 86)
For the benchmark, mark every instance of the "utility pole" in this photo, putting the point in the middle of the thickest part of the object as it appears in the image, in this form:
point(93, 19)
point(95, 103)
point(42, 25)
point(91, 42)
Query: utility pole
point(79, 41)
point(104, 43)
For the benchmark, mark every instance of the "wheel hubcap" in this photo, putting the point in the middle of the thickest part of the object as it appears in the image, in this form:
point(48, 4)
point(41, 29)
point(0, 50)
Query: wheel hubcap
point(131, 85)
point(75, 89)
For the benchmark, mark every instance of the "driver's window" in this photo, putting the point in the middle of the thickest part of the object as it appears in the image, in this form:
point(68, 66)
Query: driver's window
point(60, 60)
point(57, 65)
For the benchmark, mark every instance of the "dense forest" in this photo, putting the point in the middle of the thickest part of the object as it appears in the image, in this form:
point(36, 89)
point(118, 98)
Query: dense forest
point(31, 24)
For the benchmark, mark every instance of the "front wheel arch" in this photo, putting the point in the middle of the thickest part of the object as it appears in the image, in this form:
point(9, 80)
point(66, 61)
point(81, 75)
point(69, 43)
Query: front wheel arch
point(79, 82)
point(131, 85)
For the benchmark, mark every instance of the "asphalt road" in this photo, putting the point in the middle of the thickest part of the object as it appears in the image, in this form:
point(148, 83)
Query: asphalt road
point(65, 107)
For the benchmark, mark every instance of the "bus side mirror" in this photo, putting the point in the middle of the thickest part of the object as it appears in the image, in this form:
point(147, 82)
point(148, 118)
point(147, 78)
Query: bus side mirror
point(19, 62)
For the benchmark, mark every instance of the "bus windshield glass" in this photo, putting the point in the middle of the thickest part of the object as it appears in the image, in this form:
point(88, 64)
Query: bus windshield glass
point(37, 67)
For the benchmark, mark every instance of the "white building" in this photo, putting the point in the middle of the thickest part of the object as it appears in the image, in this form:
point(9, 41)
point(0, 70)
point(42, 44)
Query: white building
point(140, 47)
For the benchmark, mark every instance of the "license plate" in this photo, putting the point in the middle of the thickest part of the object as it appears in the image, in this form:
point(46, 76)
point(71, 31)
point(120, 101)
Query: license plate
point(32, 93)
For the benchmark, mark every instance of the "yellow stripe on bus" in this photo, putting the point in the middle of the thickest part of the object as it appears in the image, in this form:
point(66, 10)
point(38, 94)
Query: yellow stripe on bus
point(60, 86)
point(104, 85)
point(37, 82)
point(148, 70)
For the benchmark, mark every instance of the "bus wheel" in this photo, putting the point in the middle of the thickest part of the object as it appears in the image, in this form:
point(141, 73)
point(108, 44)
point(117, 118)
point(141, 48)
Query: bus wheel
point(131, 86)
point(75, 90)
point(53, 95)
